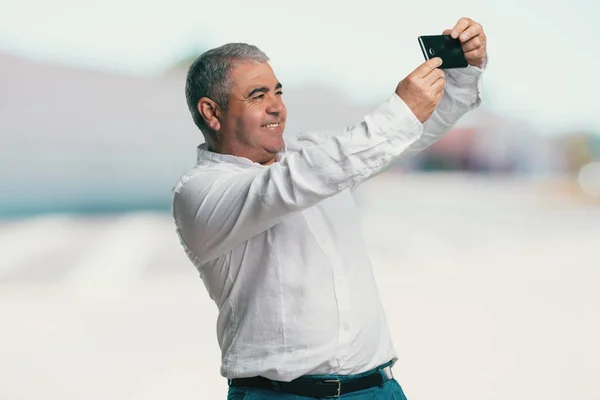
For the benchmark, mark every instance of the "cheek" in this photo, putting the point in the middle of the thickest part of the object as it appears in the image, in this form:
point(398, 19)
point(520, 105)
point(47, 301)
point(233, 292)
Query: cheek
point(254, 119)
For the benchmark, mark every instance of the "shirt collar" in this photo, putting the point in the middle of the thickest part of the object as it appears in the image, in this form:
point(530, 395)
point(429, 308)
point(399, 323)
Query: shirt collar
point(210, 157)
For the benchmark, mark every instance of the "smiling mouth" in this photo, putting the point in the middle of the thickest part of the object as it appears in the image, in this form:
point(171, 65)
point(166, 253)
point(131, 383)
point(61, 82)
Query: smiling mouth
point(271, 126)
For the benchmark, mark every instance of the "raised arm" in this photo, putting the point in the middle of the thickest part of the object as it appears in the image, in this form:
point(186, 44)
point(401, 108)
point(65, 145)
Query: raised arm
point(462, 92)
point(463, 86)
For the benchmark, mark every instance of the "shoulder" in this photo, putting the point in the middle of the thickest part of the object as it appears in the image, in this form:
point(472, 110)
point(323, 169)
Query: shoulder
point(202, 175)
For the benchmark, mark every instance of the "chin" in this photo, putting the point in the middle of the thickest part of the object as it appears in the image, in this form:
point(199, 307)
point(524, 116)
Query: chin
point(275, 145)
point(274, 149)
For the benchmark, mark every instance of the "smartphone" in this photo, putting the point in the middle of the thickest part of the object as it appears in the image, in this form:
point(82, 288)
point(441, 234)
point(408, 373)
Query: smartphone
point(444, 46)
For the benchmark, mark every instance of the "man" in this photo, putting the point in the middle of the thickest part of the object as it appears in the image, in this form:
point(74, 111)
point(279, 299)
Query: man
point(273, 230)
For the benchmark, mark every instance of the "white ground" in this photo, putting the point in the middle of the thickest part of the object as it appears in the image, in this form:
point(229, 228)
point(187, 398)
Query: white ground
point(490, 286)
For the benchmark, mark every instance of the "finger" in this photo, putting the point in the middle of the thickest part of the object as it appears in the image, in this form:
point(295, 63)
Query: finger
point(460, 27)
point(470, 32)
point(474, 43)
point(438, 86)
point(427, 67)
point(447, 32)
point(434, 76)
point(476, 55)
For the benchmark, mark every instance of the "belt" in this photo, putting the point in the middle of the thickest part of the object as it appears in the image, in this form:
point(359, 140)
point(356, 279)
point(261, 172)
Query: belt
point(308, 387)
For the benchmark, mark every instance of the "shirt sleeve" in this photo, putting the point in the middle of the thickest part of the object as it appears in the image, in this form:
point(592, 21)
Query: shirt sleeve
point(462, 94)
point(216, 211)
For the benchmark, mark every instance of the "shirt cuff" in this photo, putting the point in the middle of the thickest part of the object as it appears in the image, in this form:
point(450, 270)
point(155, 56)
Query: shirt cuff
point(469, 75)
point(393, 117)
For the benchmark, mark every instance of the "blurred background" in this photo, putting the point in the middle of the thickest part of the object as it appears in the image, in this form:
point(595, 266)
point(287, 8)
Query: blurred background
point(485, 246)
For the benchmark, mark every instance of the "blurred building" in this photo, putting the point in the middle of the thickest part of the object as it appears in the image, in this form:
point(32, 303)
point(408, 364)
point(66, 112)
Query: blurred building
point(486, 142)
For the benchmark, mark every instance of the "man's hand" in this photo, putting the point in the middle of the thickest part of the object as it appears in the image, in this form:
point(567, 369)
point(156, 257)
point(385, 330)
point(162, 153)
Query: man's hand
point(472, 38)
point(423, 88)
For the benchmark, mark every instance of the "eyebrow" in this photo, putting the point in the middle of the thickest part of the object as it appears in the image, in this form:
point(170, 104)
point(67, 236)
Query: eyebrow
point(264, 89)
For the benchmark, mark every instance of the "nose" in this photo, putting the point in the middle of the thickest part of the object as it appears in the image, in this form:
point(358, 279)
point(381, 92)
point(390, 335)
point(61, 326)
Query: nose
point(276, 105)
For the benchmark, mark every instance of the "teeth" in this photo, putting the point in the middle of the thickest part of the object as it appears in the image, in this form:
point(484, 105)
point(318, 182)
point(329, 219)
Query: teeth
point(271, 126)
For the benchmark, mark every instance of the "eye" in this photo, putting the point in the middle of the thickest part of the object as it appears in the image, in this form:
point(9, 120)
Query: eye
point(260, 96)
point(279, 93)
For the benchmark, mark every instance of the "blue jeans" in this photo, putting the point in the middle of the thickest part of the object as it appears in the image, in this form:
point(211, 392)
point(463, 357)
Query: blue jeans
point(390, 390)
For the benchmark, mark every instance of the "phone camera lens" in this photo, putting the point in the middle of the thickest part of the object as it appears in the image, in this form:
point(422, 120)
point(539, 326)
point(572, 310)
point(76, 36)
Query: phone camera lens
point(431, 52)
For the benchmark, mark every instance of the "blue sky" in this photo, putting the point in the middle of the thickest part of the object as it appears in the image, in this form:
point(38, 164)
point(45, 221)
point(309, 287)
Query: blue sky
point(544, 58)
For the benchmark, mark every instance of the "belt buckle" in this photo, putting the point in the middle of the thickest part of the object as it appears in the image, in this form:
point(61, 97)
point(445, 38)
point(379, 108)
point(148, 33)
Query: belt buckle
point(339, 388)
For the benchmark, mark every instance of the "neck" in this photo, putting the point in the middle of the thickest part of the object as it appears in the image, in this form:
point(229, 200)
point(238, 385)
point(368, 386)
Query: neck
point(262, 158)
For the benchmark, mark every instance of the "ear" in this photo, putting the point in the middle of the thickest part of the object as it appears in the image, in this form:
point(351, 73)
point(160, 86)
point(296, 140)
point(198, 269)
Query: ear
point(211, 112)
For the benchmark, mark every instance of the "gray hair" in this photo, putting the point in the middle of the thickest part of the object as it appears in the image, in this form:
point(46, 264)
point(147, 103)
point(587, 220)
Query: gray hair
point(209, 76)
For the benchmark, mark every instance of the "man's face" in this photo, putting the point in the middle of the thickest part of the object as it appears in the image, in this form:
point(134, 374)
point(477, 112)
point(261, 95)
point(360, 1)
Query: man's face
point(253, 124)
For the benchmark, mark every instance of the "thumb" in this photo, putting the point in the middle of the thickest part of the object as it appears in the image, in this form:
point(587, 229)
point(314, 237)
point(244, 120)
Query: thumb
point(447, 32)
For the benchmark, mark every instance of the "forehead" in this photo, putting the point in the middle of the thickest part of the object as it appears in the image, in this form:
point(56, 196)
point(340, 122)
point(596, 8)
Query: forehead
point(246, 74)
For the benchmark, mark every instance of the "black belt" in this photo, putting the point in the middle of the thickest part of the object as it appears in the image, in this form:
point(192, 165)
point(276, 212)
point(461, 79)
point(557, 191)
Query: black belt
point(313, 388)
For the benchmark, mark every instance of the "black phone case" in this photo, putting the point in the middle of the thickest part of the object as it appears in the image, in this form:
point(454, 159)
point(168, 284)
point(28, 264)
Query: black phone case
point(443, 46)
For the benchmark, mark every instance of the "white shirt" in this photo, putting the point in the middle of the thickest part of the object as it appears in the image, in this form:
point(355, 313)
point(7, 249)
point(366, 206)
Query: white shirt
point(279, 247)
